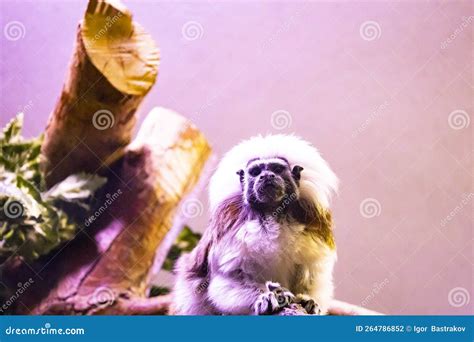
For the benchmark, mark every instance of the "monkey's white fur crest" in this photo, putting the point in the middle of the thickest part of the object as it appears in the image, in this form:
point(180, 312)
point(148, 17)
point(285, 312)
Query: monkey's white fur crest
point(318, 181)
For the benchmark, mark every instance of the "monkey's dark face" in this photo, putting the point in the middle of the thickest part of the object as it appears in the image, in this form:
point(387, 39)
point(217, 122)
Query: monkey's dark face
point(266, 183)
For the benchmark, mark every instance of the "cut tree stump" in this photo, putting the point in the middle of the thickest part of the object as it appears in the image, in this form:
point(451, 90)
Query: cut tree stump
point(104, 271)
point(115, 64)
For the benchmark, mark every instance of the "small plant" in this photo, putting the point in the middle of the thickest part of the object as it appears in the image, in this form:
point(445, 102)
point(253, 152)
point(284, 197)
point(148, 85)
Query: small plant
point(33, 219)
point(185, 242)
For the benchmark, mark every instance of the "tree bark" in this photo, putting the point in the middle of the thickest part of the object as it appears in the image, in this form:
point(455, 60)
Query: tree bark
point(114, 65)
point(104, 270)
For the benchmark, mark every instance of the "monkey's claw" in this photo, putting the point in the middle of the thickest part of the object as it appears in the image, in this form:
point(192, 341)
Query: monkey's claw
point(283, 295)
point(308, 304)
point(274, 299)
point(265, 304)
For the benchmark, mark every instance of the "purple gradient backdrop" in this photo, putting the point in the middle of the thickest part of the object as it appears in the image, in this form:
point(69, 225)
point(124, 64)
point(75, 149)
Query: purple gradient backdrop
point(377, 109)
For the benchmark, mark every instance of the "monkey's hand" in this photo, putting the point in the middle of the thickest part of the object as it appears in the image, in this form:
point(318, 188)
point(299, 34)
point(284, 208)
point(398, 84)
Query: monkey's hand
point(273, 299)
point(307, 303)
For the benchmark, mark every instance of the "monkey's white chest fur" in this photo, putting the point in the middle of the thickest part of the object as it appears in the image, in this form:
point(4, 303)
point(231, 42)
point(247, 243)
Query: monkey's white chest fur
point(267, 250)
point(284, 253)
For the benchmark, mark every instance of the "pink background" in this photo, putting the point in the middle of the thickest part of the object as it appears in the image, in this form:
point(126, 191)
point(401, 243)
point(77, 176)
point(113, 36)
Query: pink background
point(377, 109)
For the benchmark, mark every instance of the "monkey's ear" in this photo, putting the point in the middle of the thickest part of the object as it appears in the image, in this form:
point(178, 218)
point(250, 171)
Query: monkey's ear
point(296, 172)
point(241, 175)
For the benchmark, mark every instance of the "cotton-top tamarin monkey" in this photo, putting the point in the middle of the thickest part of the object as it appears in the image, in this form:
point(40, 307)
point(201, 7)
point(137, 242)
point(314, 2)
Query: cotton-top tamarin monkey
point(269, 242)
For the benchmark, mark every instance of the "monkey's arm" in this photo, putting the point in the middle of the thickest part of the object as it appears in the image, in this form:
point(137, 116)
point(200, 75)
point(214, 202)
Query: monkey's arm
point(237, 296)
point(233, 296)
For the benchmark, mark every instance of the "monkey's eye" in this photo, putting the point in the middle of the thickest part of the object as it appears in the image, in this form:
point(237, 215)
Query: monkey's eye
point(255, 171)
point(277, 168)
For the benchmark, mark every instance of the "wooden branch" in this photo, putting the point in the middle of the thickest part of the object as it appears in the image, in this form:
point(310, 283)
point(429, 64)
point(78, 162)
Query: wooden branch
point(337, 308)
point(144, 306)
point(340, 308)
point(105, 270)
point(115, 64)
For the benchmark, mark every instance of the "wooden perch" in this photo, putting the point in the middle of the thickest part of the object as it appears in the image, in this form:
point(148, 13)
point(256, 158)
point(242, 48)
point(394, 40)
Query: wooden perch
point(104, 271)
point(115, 64)
point(340, 308)
point(336, 308)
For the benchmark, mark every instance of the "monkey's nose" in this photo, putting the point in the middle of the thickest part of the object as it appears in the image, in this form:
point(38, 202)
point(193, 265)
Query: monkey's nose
point(268, 176)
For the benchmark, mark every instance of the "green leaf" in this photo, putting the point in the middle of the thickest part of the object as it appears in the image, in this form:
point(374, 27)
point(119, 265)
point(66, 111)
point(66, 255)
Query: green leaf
point(33, 221)
point(159, 291)
point(12, 129)
point(185, 242)
point(75, 187)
